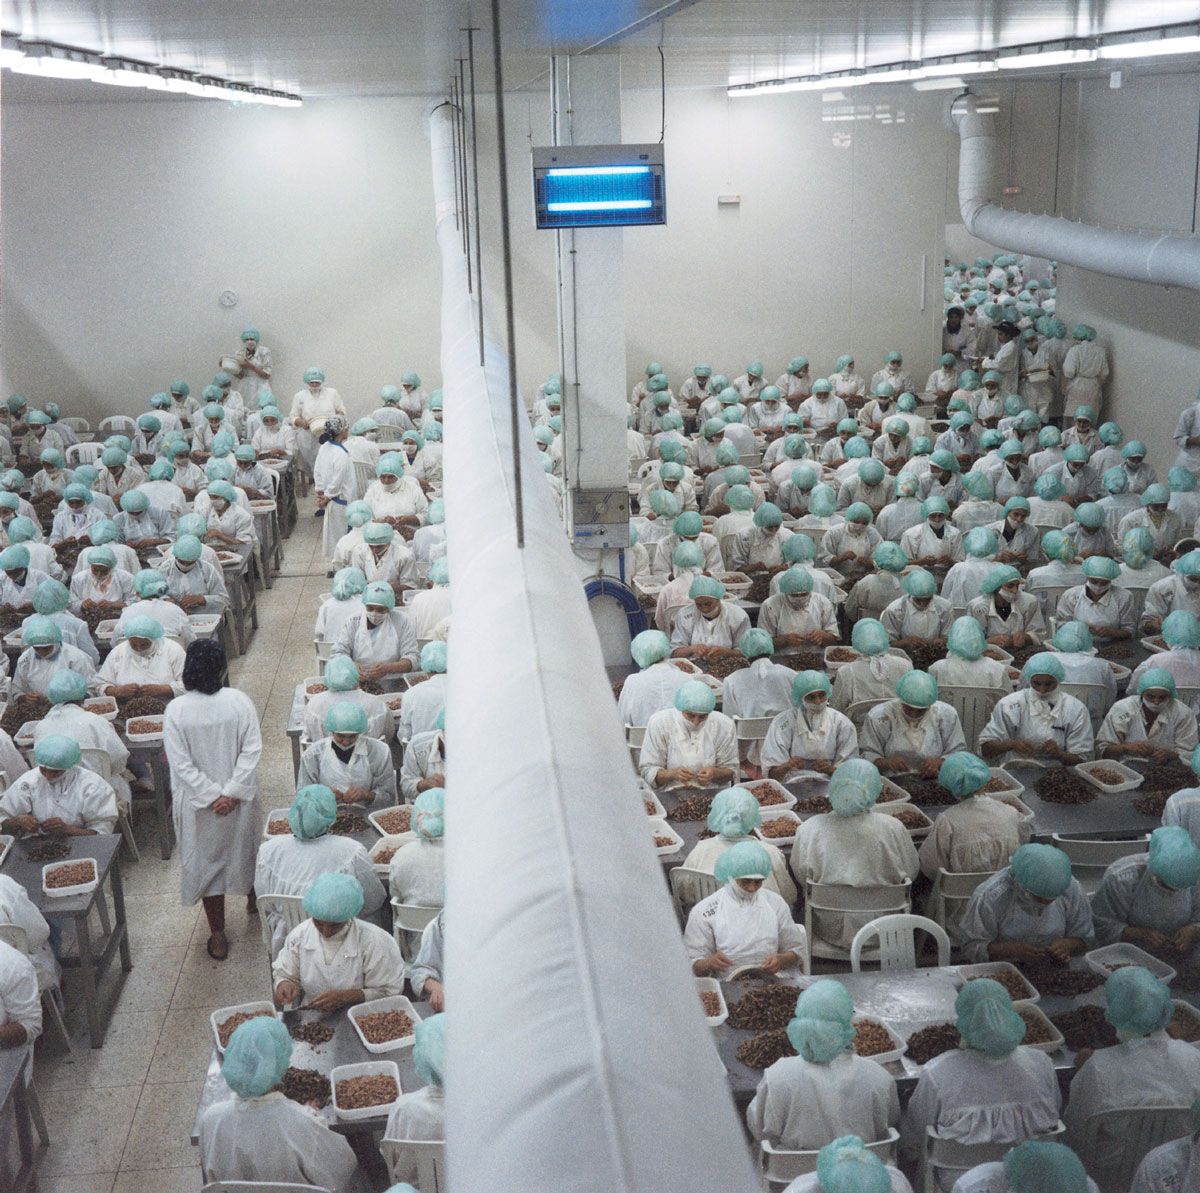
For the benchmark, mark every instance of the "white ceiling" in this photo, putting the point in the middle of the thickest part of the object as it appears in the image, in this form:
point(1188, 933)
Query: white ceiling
point(335, 49)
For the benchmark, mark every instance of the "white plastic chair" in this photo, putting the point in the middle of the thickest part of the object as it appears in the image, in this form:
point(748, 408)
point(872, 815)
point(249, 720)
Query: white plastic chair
point(950, 1155)
point(1093, 696)
point(117, 424)
point(82, 453)
point(897, 941)
point(430, 1156)
point(260, 1187)
point(688, 887)
point(857, 712)
point(951, 893)
point(364, 476)
point(1138, 1130)
point(1090, 858)
point(833, 897)
point(1049, 597)
point(52, 1003)
point(408, 922)
point(781, 1167)
point(751, 729)
point(973, 705)
point(289, 908)
point(1189, 696)
point(80, 426)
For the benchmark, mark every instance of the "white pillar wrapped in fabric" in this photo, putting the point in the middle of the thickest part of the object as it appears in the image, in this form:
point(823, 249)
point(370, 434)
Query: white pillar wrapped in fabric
point(577, 1055)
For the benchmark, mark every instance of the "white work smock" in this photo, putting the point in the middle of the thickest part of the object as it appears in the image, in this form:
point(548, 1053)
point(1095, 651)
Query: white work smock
point(20, 1001)
point(333, 614)
point(888, 733)
point(646, 692)
point(1002, 910)
point(990, 1178)
point(822, 410)
point(903, 514)
point(1171, 1168)
point(424, 757)
point(169, 615)
point(672, 742)
point(379, 716)
point(871, 677)
point(764, 689)
point(213, 746)
point(1085, 370)
point(1183, 663)
point(204, 578)
point(811, 1183)
point(1025, 616)
point(705, 854)
point(422, 705)
point(369, 766)
point(117, 588)
point(957, 672)
point(366, 644)
point(161, 664)
point(397, 564)
point(17, 908)
point(745, 927)
point(1129, 896)
point(778, 616)
point(826, 736)
point(1168, 530)
point(430, 962)
point(692, 628)
point(92, 732)
point(417, 873)
point(1025, 716)
point(77, 797)
point(918, 542)
point(1113, 609)
point(872, 595)
point(903, 619)
point(1174, 727)
point(664, 549)
point(34, 673)
point(359, 957)
point(428, 608)
point(977, 834)
point(420, 1115)
point(405, 499)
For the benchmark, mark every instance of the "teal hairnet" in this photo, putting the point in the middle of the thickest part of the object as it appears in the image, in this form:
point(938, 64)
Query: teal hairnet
point(378, 534)
point(429, 814)
point(670, 471)
point(52, 458)
point(379, 593)
point(77, 492)
point(222, 490)
point(706, 586)
point(1056, 545)
point(390, 464)
point(854, 787)
point(810, 681)
point(1135, 447)
point(868, 636)
point(980, 542)
point(66, 687)
point(1049, 437)
point(885, 389)
point(113, 457)
point(734, 813)
point(822, 502)
point(999, 576)
point(1044, 663)
point(434, 656)
point(859, 511)
point(1043, 870)
point(804, 477)
point(688, 525)
point(1189, 564)
point(945, 460)
point(768, 514)
point(1156, 495)
point(917, 689)
point(843, 362)
point(40, 631)
point(756, 644)
point(822, 1027)
point(1138, 1002)
point(103, 557)
point(1181, 630)
point(796, 580)
point(897, 426)
point(907, 403)
point(312, 812)
point(890, 557)
point(848, 424)
point(731, 414)
point(218, 470)
point(11, 501)
point(1137, 547)
point(978, 485)
point(429, 1055)
point(341, 674)
point(358, 513)
point(665, 504)
point(160, 470)
point(436, 514)
point(188, 548)
point(746, 859)
point(1100, 567)
point(1073, 637)
point(21, 530)
point(687, 554)
point(334, 898)
point(695, 696)
point(149, 583)
point(14, 558)
point(770, 393)
point(963, 774)
point(739, 497)
point(649, 647)
point(1076, 453)
point(1016, 503)
point(346, 717)
point(845, 1166)
point(57, 751)
point(920, 583)
point(144, 627)
point(822, 386)
point(965, 638)
point(871, 472)
point(1174, 857)
point(986, 1019)
point(799, 549)
point(1042, 1167)
point(257, 1056)
point(960, 419)
point(51, 596)
point(180, 388)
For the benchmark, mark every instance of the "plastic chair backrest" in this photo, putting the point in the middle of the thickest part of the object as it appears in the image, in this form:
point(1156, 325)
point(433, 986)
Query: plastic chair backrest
point(1090, 858)
point(782, 1167)
point(364, 474)
point(882, 900)
point(1093, 696)
point(949, 1154)
point(15, 936)
point(83, 453)
point(897, 941)
point(688, 887)
point(430, 1156)
point(951, 893)
point(260, 1187)
point(99, 762)
point(389, 434)
point(857, 712)
point(635, 734)
point(1049, 596)
point(974, 707)
point(1189, 696)
point(288, 907)
point(80, 426)
point(408, 922)
point(751, 728)
point(117, 424)
point(1137, 1130)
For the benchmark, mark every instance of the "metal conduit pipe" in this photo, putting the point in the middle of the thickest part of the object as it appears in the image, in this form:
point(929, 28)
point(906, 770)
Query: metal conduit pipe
point(1165, 260)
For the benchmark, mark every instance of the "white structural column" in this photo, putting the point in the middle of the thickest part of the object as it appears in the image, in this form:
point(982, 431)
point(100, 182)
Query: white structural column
point(592, 308)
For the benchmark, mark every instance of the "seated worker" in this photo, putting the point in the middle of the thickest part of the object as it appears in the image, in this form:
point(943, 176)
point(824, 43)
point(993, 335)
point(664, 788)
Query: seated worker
point(1011, 619)
point(428, 970)
point(45, 654)
point(20, 580)
point(764, 689)
point(334, 960)
point(845, 1166)
point(417, 873)
point(760, 547)
point(709, 627)
point(141, 524)
point(1180, 590)
point(805, 1099)
point(1169, 1167)
point(742, 924)
point(1105, 609)
point(1181, 633)
point(58, 798)
point(1040, 721)
point(380, 639)
point(875, 675)
point(421, 705)
point(1154, 724)
point(652, 688)
point(193, 583)
point(965, 664)
point(357, 768)
point(689, 745)
point(934, 544)
point(797, 616)
point(1033, 912)
point(384, 556)
point(144, 664)
point(964, 581)
point(810, 735)
point(920, 615)
point(1152, 899)
point(98, 582)
point(849, 547)
point(1072, 645)
point(874, 592)
point(67, 691)
point(914, 732)
point(421, 1113)
point(1031, 1167)
point(52, 599)
point(151, 587)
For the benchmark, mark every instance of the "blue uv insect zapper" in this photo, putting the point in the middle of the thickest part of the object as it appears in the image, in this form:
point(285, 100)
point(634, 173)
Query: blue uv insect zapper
point(595, 186)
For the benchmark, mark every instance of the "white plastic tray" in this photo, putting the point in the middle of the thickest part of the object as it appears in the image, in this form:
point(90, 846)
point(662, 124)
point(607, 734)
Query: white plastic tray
point(833, 666)
point(1130, 777)
point(106, 629)
point(95, 704)
point(895, 808)
point(1056, 1040)
point(650, 583)
point(780, 814)
point(1188, 1009)
point(737, 584)
point(396, 1002)
point(23, 738)
point(712, 986)
point(367, 1068)
point(988, 969)
point(272, 816)
point(145, 737)
point(393, 841)
point(900, 795)
point(219, 1016)
point(651, 798)
point(789, 800)
point(897, 1052)
point(1154, 645)
point(1122, 952)
point(80, 888)
point(660, 828)
point(1014, 786)
point(998, 652)
point(304, 687)
point(373, 817)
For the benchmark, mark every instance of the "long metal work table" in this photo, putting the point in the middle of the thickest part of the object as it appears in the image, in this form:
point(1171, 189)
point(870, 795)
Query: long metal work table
point(14, 1067)
point(94, 956)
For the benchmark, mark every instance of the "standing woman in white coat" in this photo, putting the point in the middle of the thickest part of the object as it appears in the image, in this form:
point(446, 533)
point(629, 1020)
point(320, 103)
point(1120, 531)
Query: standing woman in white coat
point(333, 479)
point(213, 745)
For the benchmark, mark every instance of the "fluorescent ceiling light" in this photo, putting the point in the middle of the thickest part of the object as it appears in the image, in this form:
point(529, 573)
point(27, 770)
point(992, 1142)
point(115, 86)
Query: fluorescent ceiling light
point(939, 84)
point(1050, 54)
point(1150, 43)
point(967, 64)
point(595, 171)
point(602, 205)
point(55, 62)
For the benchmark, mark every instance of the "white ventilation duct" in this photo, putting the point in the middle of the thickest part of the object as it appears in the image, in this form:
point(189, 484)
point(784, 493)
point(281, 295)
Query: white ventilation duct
point(578, 1059)
point(1139, 256)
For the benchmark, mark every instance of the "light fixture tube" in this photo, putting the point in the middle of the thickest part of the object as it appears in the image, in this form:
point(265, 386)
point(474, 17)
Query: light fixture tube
point(1058, 53)
point(1150, 43)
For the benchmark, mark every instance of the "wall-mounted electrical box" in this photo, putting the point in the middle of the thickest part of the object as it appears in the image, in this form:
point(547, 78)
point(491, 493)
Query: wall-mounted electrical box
point(598, 186)
point(600, 517)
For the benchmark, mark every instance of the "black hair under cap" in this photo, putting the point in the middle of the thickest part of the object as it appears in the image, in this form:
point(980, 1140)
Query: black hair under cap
point(204, 666)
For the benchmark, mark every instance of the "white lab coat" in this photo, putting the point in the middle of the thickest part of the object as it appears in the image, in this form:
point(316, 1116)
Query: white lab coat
point(822, 410)
point(417, 873)
point(1171, 1168)
point(903, 514)
point(1183, 663)
point(170, 616)
point(868, 678)
point(1129, 896)
point(811, 1183)
point(757, 545)
point(920, 541)
point(1166, 534)
point(359, 957)
point(665, 548)
point(1026, 717)
point(20, 1000)
point(1001, 910)
point(17, 908)
point(990, 1178)
point(1085, 370)
point(397, 565)
point(764, 689)
point(822, 584)
point(964, 581)
point(973, 1098)
point(333, 476)
point(370, 766)
point(405, 499)
point(827, 736)
point(430, 962)
point(777, 616)
point(333, 614)
point(213, 746)
point(389, 642)
point(78, 797)
point(705, 854)
point(424, 757)
point(887, 733)
point(957, 672)
point(1188, 427)
point(902, 618)
point(646, 692)
point(978, 833)
point(1025, 616)
point(671, 742)
point(870, 849)
point(314, 409)
point(116, 589)
point(692, 628)
point(33, 673)
point(205, 578)
point(379, 716)
point(288, 865)
point(745, 927)
point(837, 540)
point(161, 664)
point(1146, 1071)
point(420, 1115)
point(1174, 728)
point(1114, 608)
point(273, 1139)
point(421, 706)
point(800, 1105)
point(92, 732)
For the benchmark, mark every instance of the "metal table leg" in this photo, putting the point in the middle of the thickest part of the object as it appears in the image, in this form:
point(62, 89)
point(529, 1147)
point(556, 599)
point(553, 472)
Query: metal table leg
point(87, 970)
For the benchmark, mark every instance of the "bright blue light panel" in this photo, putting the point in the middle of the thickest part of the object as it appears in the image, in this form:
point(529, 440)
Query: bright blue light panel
point(599, 196)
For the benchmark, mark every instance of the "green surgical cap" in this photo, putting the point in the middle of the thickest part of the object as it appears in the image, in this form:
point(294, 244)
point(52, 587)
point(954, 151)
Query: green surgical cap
point(341, 674)
point(857, 448)
point(649, 647)
point(981, 542)
point(149, 583)
point(800, 548)
point(999, 576)
point(822, 1028)
point(334, 898)
point(845, 1166)
point(257, 1056)
point(1138, 1003)
point(809, 681)
point(854, 787)
point(1180, 629)
point(429, 1059)
point(1048, 487)
point(859, 511)
point(918, 689)
point(434, 656)
point(920, 583)
point(822, 502)
point(379, 593)
point(1042, 870)
point(1189, 564)
point(871, 472)
point(768, 514)
point(1100, 567)
point(378, 534)
point(51, 596)
point(868, 636)
point(796, 580)
point(890, 557)
point(706, 586)
point(687, 554)
point(188, 548)
point(978, 485)
point(1043, 1167)
point(66, 687)
point(746, 859)
point(695, 696)
point(40, 631)
point(734, 813)
point(1056, 545)
point(57, 751)
point(1181, 480)
point(986, 1019)
point(756, 644)
point(144, 627)
point(1073, 637)
point(739, 497)
point(1156, 495)
point(963, 774)
point(312, 812)
point(429, 813)
point(346, 717)
point(14, 558)
point(1173, 856)
point(1045, 663)
point(965, 638)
